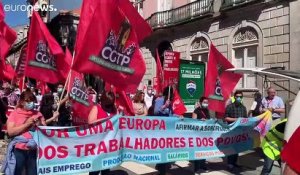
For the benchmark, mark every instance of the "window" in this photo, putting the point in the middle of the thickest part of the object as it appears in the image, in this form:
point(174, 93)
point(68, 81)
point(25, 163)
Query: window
point(245, 46)
point(199, 50)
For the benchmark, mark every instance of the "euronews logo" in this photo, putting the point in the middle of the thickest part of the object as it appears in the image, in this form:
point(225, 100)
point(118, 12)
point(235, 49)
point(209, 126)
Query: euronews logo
point(28, 8)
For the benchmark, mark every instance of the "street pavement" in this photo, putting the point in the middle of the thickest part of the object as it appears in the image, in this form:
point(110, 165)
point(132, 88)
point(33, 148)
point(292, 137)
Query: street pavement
point(250, 161)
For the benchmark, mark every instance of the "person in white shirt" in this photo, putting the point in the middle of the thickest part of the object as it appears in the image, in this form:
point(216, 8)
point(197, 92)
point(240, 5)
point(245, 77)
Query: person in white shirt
point(273, 103)
point(149, 97)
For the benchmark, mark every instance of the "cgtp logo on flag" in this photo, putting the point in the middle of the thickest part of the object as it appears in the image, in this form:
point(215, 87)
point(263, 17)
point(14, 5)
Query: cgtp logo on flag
point(191, 87)
point(218, 89)
point(78, 94)
point(114, 54)
point(43, 58)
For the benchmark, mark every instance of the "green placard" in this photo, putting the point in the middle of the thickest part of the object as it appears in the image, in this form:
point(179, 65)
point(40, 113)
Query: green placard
point(191, 82)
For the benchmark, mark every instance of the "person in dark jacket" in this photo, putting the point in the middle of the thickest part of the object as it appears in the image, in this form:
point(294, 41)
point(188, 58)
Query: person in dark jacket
point(256, 107)
point(201, 113)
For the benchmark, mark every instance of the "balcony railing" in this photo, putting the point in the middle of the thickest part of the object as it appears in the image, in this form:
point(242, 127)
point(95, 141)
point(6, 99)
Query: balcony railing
point(180, 14)
point(232, 3)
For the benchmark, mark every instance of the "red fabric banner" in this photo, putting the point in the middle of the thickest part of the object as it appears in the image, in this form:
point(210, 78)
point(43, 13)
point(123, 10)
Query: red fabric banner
point(7, 73)
point(21, 65)
point(81, 101)
point(2, 14)
point(171, 68)
point(124, 102)
point(7, 38)
point(159, 75)
point(178, 104)
point(141, 28)
point(219, 83)
point(114, 54)
point(45, 58)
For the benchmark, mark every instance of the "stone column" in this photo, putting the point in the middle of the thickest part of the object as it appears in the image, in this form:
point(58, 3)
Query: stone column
point(294, 40)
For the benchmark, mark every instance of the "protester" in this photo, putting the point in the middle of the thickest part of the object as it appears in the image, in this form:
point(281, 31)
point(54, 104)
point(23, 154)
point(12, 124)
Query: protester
point(33, 90)
point(105, 109)
point(273, 103)
point(139, 106)
point(201, 113)
point(12, 98)
point(291, 155)
point(149, 97)
point(39, 96)
point(18, 124)
point(163, 107)
point(256, 107)
point(232, 113)
point(91, 92)
point(49, 109)
point(272, 145)
point(64, 110)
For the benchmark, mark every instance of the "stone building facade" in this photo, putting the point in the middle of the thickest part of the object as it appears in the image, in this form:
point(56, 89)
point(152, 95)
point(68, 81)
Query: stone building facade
point(250, 33)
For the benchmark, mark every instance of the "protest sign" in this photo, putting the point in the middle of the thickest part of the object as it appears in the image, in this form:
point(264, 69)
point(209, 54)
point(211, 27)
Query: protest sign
point(171, 67)
point(191, 86)
point(108, 143)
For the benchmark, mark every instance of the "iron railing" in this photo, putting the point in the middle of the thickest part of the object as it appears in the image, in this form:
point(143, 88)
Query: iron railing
point(232, 3)
point(180, 14)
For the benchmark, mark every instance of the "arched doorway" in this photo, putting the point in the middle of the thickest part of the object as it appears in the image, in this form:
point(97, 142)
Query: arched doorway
point(162, 47)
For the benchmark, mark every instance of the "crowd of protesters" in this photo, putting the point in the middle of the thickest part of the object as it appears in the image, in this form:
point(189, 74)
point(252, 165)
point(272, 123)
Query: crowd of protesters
point(20, 111)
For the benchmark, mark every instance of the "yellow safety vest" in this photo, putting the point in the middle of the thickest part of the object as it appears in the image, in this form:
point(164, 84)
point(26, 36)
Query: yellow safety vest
point(232, 99)
point(273, 142)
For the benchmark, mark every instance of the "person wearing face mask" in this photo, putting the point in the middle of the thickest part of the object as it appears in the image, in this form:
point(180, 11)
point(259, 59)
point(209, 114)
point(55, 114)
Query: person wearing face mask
point(19, 122)
point(61, 100)
point(232, 113)
point(201, 113)
point(105, 109)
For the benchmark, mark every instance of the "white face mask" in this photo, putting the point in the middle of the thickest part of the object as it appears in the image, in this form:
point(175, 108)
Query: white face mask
point(204, 105)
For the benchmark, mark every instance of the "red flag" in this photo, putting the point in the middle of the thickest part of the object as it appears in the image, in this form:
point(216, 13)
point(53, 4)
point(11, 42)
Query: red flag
point(2, 15)
point(81, 101)
point(45, 58)
point(123, 101)
point(7, 38)
point(219, 83)
point(159, 75)
point(135, 19)
point(68, 57)
point(21, 83)
point(20, 69)
point(7, 73)
point(114, 54)
point(42, 86)
point(178, 104)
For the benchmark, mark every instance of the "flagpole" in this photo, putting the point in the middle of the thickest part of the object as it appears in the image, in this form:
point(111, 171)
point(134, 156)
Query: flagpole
point(66, 83)
point(169, 91)
point(23, 84)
